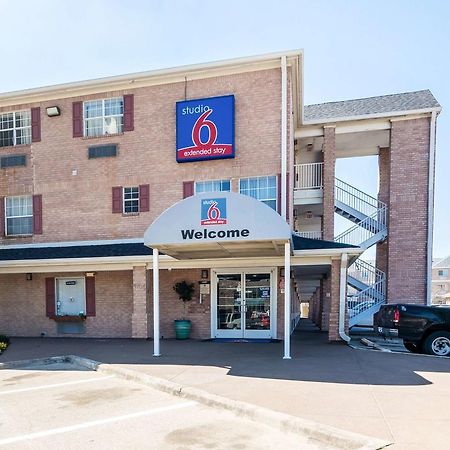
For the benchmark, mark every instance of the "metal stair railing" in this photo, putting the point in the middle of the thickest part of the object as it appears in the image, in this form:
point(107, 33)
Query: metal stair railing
point(364, 230)
point(356, 199)
point(366, 272)
point(364, 300)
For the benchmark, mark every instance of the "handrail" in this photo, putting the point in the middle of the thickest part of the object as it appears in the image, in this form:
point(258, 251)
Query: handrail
point(308, 176)
point(356, 198)
point(366, 272)
point(364, 300)
point(364, 230)
point(310, 234)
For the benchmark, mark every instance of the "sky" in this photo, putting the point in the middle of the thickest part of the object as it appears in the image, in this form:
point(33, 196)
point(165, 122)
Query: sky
point(353, 49)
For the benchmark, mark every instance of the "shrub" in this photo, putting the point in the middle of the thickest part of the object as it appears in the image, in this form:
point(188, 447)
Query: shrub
point(4, 338)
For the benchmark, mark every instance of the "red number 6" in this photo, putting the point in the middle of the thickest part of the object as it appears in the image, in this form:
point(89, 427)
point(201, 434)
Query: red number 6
point(202, 122)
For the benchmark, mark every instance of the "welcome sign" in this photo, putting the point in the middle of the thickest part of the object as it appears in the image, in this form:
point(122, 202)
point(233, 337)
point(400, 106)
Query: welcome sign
point(205, 129)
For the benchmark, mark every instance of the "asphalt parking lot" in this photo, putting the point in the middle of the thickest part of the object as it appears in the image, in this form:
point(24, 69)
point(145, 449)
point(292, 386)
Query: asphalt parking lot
point(62, 406)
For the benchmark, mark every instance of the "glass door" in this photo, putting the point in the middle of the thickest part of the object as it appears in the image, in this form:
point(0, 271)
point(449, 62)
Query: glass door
point(244, 302)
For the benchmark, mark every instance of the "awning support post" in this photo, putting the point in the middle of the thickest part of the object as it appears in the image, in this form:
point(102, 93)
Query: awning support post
point(287, 300)
point(156, 351)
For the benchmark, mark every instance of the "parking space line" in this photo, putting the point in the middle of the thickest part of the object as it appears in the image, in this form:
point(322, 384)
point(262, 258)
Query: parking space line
point(50, 386)
point(93, 423)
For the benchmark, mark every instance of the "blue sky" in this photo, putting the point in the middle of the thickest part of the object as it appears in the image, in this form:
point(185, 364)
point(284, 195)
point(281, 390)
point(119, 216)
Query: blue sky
point(352, 49)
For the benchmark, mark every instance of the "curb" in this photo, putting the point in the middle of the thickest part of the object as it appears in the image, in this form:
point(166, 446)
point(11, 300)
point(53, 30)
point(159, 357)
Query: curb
point(370, 344)
point(330, 436)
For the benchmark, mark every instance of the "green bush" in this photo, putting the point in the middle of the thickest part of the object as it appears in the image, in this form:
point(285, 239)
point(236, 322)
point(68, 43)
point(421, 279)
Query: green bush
point(3, 346)
point(4, 339)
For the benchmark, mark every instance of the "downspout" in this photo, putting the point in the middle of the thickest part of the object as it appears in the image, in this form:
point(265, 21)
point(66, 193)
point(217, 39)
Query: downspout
point(343, 298)
point(283, 135)
point(431, 203)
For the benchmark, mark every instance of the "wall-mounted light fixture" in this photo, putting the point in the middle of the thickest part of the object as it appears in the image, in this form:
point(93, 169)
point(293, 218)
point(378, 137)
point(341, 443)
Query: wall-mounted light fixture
point(204, 273)
point(53, 111)
point(29, 276)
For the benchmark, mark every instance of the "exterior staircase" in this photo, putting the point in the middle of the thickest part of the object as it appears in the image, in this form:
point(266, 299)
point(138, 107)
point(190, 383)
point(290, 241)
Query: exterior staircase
point(367, 283)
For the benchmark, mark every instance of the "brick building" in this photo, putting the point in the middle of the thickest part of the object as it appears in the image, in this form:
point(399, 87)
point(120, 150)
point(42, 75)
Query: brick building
point(441, 282)
point(86, 168)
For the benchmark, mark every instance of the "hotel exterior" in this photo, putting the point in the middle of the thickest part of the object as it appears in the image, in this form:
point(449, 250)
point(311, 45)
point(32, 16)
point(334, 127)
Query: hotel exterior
point(113, 190)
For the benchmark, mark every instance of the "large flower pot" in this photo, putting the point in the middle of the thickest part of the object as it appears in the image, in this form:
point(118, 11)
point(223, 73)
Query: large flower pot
point(182, 329)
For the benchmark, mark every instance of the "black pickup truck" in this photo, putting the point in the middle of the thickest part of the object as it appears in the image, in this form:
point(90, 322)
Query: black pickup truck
point(424, 329)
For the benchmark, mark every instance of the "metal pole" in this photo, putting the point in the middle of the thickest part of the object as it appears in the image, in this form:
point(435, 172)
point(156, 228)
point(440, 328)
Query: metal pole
point(287, 301)
point(156, 302)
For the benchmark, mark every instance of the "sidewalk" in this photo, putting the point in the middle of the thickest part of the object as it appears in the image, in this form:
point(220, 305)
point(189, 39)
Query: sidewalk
point(383, 395)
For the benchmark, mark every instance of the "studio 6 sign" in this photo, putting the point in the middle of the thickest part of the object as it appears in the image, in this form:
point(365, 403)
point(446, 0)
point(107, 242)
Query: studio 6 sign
point(205, 129)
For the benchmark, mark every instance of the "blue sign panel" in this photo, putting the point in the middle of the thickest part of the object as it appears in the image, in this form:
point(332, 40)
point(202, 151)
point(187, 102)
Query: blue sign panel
point(205, 129)
point(213, 211)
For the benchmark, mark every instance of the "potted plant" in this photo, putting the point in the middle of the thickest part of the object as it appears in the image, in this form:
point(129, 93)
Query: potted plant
point(185, 292)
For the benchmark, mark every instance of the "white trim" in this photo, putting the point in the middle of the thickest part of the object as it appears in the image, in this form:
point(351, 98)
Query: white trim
point(431, 169)
point(386, 114)
point(159, 76)
point(156, 333)
point(287, 301)
point(212, 181)
point(76, 243)
point(343, 298)
point(14, 128)
point(283, 149)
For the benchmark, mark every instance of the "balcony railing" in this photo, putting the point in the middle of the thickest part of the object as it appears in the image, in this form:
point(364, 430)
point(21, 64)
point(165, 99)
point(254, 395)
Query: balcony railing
point(310, 234)
point(308, 176)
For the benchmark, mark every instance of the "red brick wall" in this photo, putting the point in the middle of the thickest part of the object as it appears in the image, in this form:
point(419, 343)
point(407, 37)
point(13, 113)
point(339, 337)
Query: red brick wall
point(383, 195)
point(78, 207)
point(329, 170)
point(408, 211)
point(23, 310)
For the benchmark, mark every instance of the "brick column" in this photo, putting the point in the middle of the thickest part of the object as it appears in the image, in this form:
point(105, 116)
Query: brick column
point(139, 316)
point(329, 170)
point(333, 327)
point(408, 211)
point(325, 304)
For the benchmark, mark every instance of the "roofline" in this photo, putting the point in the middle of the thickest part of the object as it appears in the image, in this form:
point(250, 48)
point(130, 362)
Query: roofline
point(384, 115)
point(70, 89)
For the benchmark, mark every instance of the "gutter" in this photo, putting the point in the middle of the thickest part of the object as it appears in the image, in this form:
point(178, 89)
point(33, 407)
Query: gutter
point(283, 193)
point(343, 298)
point(431, 175)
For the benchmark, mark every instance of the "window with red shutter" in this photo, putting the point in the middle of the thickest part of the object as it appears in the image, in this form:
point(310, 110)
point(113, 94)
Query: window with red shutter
point(37, 214)
point(77, 119)
point(90, 296)
point(117, 199)
point(188, 189)
point(50, 297)
point(35, 124)
point(144, 198)
point(128, 112)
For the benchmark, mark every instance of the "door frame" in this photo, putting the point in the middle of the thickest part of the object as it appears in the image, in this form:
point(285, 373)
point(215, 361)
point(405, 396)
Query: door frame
point(251, 334)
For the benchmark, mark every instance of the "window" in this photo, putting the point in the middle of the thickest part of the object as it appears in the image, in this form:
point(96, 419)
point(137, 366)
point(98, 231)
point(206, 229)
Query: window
point(13, 161)
point(261, 188)
point(443, 273)
point(102, 151)
point(103, 116)
point(212, 186)
point(19, 215)
point(15, 128)
point(130, 200)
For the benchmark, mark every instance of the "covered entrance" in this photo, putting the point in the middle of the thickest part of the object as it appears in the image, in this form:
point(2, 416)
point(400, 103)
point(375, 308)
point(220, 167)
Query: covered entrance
point(243, 304)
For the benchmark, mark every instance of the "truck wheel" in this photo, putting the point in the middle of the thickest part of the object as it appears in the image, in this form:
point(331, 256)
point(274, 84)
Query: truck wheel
point(412, 347)
point(438, 343)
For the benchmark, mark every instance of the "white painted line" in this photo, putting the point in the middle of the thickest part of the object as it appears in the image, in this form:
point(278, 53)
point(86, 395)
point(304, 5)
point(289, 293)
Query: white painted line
point(93, 423)
point(49, 386)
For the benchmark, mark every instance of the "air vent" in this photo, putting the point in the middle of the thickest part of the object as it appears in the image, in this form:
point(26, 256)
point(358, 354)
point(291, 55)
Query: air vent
point(102, 151)
point(13, 161)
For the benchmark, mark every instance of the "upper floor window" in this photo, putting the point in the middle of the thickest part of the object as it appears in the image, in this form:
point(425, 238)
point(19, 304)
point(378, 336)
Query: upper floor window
point(212, 186)
point(19, 215)
point(15, 128)
point(103, 116)
point(130, 200)
point(443, 273)
point(261, 188)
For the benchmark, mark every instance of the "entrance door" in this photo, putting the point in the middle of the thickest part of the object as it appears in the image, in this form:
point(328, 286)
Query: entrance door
point(70, 300)
point(244, 305)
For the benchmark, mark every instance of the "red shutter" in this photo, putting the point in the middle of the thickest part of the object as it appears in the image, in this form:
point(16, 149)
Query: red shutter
point(117, 199)
point(37, 214)
point(35, 124)
point(128, 112)
point(90, 296)
point(144, 198)
point(279, 193)
point(77, 119)
point(188, 189)
point(50, 296)
point(2, 216)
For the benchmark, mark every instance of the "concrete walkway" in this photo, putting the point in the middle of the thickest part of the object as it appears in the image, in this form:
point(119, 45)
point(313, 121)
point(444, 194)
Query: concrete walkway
point(395, 397)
